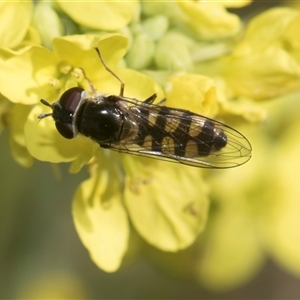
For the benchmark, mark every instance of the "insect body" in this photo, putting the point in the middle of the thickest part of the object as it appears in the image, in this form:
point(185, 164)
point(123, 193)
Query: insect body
point(143, 128)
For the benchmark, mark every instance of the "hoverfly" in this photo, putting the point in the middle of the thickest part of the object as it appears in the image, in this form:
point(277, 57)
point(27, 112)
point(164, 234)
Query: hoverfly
point(147, 129)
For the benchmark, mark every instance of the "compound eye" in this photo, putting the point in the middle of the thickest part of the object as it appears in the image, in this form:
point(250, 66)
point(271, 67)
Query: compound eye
point(64, 111)
point(70, 99)
point(66, 130)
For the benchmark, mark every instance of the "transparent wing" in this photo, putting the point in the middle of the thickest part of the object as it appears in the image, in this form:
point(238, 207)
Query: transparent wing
point(182, 136)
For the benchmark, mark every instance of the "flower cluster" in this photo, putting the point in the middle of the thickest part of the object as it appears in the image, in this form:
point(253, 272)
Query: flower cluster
point(201, 58)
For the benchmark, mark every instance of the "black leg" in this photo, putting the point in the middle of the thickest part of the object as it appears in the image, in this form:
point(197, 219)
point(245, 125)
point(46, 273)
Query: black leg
point(150, 100)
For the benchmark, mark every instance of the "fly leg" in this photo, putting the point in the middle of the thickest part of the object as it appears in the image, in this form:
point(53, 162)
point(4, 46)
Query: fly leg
point(111, 72)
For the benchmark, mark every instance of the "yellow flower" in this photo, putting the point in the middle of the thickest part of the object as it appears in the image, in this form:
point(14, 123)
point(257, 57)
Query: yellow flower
point(193, 91)
point(266, 63)
point(98, 210)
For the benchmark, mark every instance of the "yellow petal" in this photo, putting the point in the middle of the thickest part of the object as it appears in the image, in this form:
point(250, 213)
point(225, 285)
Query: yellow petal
point(137, 85)
point(244, 108)
point(85, 154)
point(78, 51)
point(209, 20)
point(266, 30)
point(21, 154)
point(17, 118)
point(13, 28)
point(168, 215)
point(101, 220)
point(103, 15)
point(194, 92)
point(27, 74)
point(262, 75)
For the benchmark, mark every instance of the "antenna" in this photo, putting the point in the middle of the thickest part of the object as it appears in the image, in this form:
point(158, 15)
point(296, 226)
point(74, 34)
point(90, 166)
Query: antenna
point(42, 116)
